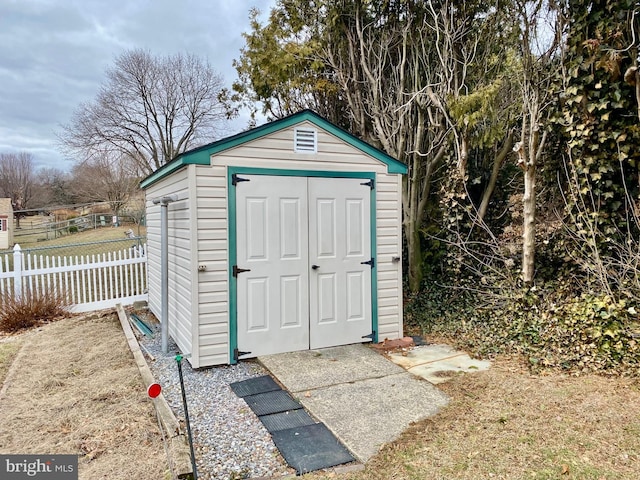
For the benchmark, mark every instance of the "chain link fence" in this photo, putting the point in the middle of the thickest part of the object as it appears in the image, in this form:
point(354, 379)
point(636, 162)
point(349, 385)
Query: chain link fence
point(47, 228)
point(84, 249)
point(133, 243)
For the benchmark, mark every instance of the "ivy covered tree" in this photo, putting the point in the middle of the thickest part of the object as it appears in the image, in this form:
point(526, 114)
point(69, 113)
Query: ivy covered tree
point(599, 120)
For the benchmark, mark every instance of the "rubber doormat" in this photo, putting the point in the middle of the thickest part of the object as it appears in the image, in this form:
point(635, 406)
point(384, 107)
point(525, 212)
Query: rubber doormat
point(285, 420)
point(304, 444)
point(254, 386)
point(271, 402)
point(309, 448)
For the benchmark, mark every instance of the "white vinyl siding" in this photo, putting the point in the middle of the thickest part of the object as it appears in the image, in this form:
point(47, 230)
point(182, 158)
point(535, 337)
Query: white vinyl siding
point(389, 247)
point(6, 229)
point(180, 256)
point(213, 335)
point(275, 152)
point(198, 237)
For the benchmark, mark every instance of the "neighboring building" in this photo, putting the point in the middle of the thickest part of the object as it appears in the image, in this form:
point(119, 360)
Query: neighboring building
point(6, 224)
point(285, 237)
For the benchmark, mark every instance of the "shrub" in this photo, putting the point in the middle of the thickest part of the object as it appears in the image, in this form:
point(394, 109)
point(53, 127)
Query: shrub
point(553, 327)
point(589, 333)
point(73, 229)
point(31, 309)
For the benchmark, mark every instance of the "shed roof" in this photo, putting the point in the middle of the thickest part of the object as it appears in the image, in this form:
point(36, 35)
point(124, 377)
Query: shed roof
point(201, 155)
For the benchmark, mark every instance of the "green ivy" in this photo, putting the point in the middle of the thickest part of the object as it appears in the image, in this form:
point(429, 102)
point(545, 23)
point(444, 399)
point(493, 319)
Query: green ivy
point(553, 327)
point(598, 114)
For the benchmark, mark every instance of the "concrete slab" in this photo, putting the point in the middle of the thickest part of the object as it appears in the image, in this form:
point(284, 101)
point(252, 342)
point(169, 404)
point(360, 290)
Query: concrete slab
point(368, 413)
point(437, 363)
point(309, 369)
point(362, 397)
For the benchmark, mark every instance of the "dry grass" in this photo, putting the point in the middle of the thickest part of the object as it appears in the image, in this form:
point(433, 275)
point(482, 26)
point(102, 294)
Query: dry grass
point(31, 309)
point(95, 235)
point(8, 352)
point(508, 424)
point(77, 390)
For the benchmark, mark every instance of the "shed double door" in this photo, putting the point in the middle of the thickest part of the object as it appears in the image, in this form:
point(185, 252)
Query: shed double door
point(301, 278)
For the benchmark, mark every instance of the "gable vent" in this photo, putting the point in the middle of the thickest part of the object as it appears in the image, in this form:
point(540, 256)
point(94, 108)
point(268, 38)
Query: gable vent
point(305, 140)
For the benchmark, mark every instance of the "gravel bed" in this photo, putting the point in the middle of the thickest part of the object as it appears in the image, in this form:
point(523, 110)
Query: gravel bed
point(230, 442)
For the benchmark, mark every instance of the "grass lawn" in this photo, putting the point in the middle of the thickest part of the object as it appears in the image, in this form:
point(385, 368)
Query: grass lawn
point(91, 235)
point(503, 423)
point(87, 236)
point(506, 423)
point(77, 390)
point(8, 351)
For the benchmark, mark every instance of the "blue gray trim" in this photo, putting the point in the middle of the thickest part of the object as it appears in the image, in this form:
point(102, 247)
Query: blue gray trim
point(232, 239)
point(202, 155)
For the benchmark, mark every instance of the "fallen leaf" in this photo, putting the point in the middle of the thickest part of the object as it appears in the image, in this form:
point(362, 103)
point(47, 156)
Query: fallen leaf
point(565, 469)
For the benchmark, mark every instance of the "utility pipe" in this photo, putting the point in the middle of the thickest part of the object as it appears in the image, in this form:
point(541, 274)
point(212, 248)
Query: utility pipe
point(186, 418)
point(164, 268)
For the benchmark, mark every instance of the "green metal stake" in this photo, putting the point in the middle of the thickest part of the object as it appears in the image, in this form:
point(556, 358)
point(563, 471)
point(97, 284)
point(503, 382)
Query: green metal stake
point(186, 418)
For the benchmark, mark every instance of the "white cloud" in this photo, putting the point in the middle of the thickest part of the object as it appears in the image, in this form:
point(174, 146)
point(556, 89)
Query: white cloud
point(53, 55)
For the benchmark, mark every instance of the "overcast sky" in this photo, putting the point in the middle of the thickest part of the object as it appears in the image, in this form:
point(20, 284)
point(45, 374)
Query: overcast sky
point(53, 55)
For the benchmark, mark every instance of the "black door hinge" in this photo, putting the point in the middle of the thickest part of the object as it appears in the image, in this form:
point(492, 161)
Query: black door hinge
point(372, 335)
point(371, 263)
point(371, 184)
point(237, 270)
point(235, 179)
point(237, 354)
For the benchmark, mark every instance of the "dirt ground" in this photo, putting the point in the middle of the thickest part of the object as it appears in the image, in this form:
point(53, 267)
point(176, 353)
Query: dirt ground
point(74, 388)
point(506, 423)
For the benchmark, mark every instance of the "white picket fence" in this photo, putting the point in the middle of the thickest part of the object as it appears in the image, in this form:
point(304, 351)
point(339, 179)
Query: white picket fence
point(89, 282)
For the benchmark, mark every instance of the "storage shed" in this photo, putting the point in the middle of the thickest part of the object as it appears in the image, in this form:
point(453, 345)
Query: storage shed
point(281, 238)
point(6, 224)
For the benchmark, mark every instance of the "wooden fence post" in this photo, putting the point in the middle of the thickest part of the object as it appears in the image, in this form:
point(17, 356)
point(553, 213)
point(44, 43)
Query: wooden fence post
point(17, 272)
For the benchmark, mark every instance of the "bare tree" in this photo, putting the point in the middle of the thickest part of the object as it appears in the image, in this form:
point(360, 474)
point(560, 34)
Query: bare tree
point(150, 109)
point(106, 178)
point(17, 180)
point(399, 66)
point(52, 188)
point(539, 42)
point(388, 82)
point(135, 208)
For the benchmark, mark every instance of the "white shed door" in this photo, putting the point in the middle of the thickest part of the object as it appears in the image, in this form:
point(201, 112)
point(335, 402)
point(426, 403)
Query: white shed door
point(303, 241)
point(339, 243)
point(272, 242)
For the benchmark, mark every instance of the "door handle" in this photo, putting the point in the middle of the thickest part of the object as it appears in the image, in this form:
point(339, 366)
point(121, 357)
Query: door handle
point(315, 267)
